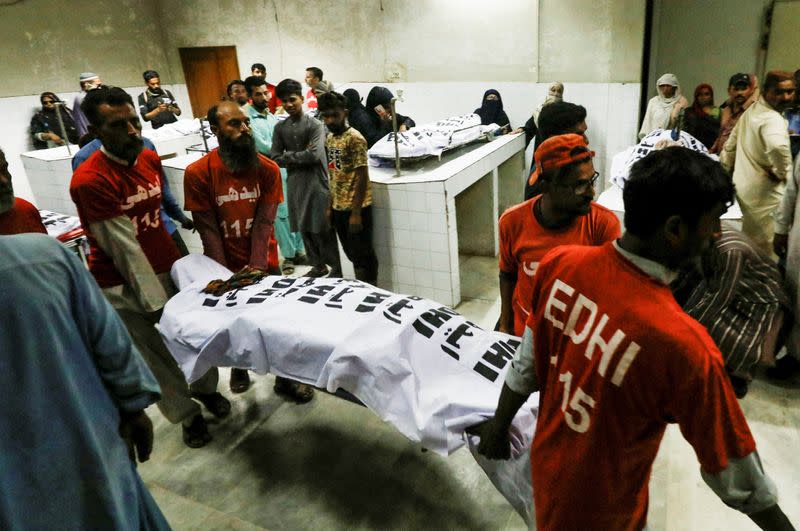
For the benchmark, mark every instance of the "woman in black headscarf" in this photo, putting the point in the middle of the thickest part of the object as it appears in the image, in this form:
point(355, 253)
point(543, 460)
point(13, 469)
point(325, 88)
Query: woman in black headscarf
point(357, 117)
point(491, 110)
point(45, 128)
point(381, 124)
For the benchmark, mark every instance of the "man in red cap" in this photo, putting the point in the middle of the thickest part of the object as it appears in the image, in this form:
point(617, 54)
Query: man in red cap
point(564, 214)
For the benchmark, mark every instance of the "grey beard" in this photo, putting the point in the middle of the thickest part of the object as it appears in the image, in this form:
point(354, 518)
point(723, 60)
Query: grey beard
point(238, 157)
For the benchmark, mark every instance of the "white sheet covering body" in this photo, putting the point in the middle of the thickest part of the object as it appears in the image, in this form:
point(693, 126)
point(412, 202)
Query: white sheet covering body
point(419, 366)
point(622, 161)
point(431, 139)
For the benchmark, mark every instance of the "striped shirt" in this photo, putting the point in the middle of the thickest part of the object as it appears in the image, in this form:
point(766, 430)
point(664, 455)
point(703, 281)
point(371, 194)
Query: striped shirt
point(736, 297)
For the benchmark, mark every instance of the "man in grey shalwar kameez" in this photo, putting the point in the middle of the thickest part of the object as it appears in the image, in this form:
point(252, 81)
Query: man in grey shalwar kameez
point(298, 144)
point(72, 384)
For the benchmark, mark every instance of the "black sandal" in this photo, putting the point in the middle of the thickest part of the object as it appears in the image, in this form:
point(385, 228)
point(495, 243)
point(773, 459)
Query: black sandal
point(196, 434)
point(218, 405)
point(297, 392)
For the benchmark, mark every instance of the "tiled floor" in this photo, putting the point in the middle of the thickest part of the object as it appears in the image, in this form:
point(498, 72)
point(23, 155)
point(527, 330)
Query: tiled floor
point(333, 465)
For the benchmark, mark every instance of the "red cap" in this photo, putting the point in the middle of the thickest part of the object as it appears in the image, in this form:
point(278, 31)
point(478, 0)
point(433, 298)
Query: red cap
point(557, 151)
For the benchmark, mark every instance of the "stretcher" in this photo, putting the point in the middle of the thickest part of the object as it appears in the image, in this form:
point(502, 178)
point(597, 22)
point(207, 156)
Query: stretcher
point(68, 230)
point(430, 140)
point(419, 366)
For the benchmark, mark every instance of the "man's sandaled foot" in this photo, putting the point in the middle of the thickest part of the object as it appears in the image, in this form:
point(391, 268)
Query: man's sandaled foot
point(295, 391)
point(317, 272)
point(196, 435)
point(215, 403)
point(740, 385)
point(287, 267)
point(240, 380)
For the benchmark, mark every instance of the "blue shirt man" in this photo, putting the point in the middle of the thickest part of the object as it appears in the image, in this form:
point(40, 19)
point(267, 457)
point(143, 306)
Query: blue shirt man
point(169, 205)
point(75, 388)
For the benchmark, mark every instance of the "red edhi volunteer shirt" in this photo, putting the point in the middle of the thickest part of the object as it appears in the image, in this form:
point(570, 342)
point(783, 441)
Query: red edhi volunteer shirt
point(524, 242)
point(617, 359)
point(234, 198)
point(103, 189)
point(311, 99)
point(23, 217)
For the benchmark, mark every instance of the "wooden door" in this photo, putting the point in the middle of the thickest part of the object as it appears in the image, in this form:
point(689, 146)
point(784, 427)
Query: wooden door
point(207, 71)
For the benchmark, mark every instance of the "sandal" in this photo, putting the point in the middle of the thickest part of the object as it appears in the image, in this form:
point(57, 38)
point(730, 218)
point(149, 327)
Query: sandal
point(295, 391)
point(317, 271)
point(287, 268)
point(196, 434)
point(215, 403)
point(240, 380)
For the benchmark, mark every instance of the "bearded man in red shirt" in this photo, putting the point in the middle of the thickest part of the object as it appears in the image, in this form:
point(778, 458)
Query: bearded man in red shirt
point(117, 192)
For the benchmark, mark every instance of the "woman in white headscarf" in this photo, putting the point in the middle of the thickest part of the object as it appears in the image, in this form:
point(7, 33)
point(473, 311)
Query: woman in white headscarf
point(554, 93)
point(663, 109)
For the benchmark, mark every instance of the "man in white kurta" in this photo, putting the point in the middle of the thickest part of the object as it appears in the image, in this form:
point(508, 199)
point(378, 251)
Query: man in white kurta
point(758, 155)
point(787, 243)
point(74, 392)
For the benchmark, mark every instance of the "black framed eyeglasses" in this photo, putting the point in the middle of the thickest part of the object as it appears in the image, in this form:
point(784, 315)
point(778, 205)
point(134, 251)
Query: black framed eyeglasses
point(586, 185)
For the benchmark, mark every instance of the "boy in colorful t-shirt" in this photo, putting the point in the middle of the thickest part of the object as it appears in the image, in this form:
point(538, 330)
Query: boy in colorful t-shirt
point(351, 192)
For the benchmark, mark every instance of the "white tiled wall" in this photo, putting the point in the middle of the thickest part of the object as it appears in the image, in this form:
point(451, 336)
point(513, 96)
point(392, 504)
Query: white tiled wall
point(411, 239)
point(17, 112)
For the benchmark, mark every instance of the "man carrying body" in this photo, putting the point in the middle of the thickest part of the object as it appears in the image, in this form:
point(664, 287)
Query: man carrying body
point(259, 70)
point(564, 214)
point(170, 209)
point(118, 195)
point(75, 390)
point(262, 125)
point(233, 194)
point(16, 214)
point(742, 92)
point(615, 359)
point(298, 145)
point(89, 81)
point(758, 155)
point(351, 191)
point(156, 105)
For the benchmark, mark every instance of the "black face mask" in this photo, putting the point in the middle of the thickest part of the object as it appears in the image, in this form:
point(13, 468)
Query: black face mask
point(492, 106)
point(338, 129)
point(158, 91)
